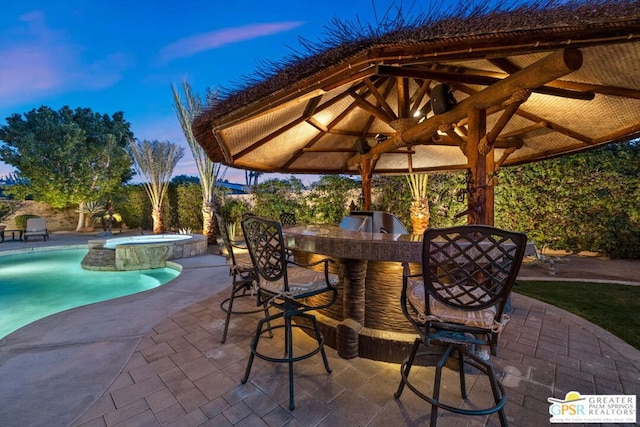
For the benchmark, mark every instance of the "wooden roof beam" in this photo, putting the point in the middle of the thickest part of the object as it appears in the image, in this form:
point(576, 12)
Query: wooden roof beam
point(504, 157)
point(456, 141)
point(382, 102)
point(363, 87)
point(551, 67)
point(525, 130)
point(370, 108)
point(402, 91)
point(487, 141)
point(476, 78)
point(556, 127)
point(418, 96)
point(329, 150)
point(311, 107)
point(325, 129)
point(627, 134)
point(509, 67)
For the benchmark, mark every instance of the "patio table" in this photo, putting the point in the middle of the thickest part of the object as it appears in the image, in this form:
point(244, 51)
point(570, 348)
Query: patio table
point(13, 234)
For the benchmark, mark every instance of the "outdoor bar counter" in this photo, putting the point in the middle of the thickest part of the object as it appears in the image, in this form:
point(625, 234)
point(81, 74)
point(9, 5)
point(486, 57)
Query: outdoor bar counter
point(366, 320)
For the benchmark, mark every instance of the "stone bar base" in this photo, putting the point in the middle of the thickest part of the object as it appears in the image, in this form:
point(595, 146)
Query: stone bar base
point(352, 340)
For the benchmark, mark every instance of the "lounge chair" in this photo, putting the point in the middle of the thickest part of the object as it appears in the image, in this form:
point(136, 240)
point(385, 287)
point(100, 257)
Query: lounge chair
point(36, 227)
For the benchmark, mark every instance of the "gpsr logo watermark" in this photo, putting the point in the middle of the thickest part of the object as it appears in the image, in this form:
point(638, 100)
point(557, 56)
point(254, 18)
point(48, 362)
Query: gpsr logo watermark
point(604, 408)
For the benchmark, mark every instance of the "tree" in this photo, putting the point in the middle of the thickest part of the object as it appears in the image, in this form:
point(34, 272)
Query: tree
point(208, 171)
point(67, 157)
point(330, 198)
point(274, 196)
point(251, 178)
point(155, 161)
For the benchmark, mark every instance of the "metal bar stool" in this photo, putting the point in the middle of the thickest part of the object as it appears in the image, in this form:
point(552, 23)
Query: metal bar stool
point(458, 301)
point(244, 279)
point(285, 285)
point(287, 218)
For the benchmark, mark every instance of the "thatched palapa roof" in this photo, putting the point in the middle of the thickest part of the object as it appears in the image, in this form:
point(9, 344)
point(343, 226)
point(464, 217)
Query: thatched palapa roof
point(551, 79)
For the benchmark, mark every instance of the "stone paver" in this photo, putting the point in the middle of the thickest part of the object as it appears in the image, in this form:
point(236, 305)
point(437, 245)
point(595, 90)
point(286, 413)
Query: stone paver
point(532, 363)
point(178, 373)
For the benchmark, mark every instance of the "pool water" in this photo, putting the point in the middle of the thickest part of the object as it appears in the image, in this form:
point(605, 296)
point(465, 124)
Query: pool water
point(34, 285)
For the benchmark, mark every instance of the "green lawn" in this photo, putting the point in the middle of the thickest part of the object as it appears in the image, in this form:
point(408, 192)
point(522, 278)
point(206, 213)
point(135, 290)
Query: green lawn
point(615, 308)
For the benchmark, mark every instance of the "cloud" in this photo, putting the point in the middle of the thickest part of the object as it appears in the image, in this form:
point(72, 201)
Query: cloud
point(202, 42)
point(40, 62)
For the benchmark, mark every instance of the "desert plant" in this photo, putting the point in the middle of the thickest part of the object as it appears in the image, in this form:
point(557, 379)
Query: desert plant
point(187, 110)
point(90, 210)
point(107, 217)
point(231, 209)
point(419, 210)
point(155, 161)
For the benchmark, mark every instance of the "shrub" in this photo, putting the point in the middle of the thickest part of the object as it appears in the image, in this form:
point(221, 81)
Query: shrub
point(21, 220)
point(330, 198)
point(189, 205)
point(135, 208)
point(275, 196)
point(5, 210)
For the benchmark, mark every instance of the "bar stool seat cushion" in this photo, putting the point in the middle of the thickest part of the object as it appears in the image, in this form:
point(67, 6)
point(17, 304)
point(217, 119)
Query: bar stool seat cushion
point(302, 281)
point(484, 318)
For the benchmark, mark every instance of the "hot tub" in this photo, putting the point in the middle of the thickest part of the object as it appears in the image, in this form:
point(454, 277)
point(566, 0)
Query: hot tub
point(153, 238)
point(142, 252)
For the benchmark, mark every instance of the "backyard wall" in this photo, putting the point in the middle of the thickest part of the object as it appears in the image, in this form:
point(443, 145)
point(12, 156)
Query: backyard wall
point(57, 219)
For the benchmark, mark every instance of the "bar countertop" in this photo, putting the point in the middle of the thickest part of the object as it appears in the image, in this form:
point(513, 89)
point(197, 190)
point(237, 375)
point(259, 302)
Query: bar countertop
point(343, 243)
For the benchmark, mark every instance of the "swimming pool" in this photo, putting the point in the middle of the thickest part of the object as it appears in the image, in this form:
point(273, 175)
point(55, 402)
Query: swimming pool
point(36, 284)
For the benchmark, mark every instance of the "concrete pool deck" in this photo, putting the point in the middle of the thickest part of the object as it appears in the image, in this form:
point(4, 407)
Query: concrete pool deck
point(155, 358)
point(55, 368)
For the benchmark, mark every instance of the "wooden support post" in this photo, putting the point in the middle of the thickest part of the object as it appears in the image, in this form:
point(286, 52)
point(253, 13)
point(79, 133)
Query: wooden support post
point(480, 199)
point(366, 172)
point(489, 210)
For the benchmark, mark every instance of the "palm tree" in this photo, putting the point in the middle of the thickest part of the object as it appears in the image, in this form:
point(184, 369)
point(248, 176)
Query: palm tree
point(209, 171)
point(251, 178)
point(419, 210)
point(155, 161)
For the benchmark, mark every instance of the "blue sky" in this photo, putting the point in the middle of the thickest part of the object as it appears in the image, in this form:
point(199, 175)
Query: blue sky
point(124, 55)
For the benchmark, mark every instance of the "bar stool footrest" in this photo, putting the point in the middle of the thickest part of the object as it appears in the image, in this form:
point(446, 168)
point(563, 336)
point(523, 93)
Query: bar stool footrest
point(479, 364)
point(288, 359)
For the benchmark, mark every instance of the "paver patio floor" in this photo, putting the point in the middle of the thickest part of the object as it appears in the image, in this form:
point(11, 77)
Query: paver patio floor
point(156, 359)
point(181, 375)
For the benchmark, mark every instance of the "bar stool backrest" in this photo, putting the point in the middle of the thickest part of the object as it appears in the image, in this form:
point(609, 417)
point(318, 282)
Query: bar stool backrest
point(287, 218)
point(266, 246)
point(471, 267)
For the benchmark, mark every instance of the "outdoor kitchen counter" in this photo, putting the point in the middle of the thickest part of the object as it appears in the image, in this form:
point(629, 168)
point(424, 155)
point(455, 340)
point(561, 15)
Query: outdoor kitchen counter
point(366, 321)
point(343, 243)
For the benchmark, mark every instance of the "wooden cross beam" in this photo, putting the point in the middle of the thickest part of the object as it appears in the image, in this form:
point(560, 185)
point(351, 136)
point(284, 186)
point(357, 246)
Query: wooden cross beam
point(549, 68)
point(479, 146)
